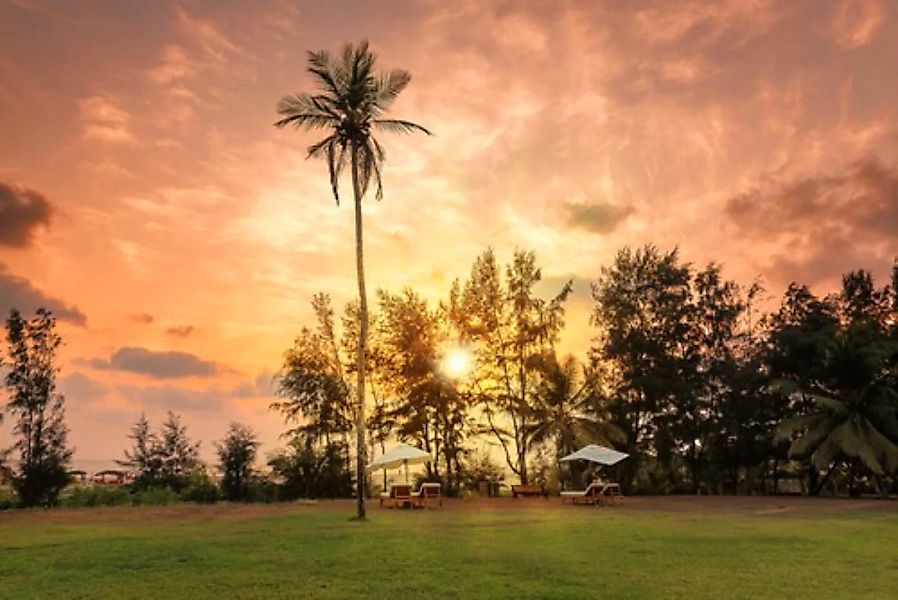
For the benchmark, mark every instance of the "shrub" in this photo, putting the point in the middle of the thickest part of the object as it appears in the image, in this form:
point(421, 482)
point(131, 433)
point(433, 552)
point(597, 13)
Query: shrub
point(263, 489)
point(8, 499)
point(157, 496)
point(200, 488)
point(99, 495)
point(420, 478)
point(481, 468)
point(544, 470)
point(307, 470)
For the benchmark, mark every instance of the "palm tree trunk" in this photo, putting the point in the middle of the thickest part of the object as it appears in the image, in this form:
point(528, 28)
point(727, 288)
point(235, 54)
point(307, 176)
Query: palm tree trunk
point(363, 339)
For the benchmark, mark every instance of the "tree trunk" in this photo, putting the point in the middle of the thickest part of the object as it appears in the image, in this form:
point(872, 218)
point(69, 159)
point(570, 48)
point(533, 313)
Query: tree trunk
point(776, 476)
point(853, 491)
point(818, 487)
point(363, 339)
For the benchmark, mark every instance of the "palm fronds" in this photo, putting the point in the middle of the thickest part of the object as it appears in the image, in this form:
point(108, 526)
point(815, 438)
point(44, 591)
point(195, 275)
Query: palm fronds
point(350, 101)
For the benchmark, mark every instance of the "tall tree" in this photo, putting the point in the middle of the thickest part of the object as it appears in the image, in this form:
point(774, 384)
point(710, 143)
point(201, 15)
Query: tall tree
point(643, 314)
point(145, 456)
point(511, 330)
point(849, 408)
point(569, 410)
point(350, 103)
point(38, 407)
point(180, 456)
point(716, 307)
point(314, 394)
point(236, 456)
point(425, 404)
point(854, 415)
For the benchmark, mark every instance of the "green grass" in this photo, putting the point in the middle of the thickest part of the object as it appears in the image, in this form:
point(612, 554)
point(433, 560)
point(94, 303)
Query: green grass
point(521, 553)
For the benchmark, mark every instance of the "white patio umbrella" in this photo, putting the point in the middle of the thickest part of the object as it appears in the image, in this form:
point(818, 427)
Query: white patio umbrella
point(596, 454)
point(402, 455)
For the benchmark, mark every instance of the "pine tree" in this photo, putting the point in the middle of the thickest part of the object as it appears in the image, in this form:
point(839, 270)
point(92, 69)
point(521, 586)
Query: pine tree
point(180, 456)
point(146, 455)
point(39, 409)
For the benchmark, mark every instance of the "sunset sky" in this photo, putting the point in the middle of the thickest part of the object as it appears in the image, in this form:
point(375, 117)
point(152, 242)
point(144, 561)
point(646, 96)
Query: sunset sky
point(147, 199)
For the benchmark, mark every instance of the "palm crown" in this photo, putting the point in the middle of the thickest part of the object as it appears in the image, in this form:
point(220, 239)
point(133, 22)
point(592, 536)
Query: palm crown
point(350, 104)
point(854, 415)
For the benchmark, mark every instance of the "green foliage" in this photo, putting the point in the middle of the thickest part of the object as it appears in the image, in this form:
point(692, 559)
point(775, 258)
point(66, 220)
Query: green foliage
point(569, 411)
point(8, 498)
point(30, 380)
point(305, 470)
point(349, 105)
point(314, 394)
point(156, 496)
point(98, 495)
point(163, 459)
point(480, 468)
point(145, 457)
point(834, 364)
point(424, 405)
point(667, 342)
point(512, 331)
point(236, 456)
point(263, 489)
point(200, 488)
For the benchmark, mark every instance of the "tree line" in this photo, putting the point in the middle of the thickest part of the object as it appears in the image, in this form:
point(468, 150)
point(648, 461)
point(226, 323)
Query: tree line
point(686, 373)
point(706, 391)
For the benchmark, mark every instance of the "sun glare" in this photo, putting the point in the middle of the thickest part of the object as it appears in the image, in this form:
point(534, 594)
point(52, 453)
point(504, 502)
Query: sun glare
point(456, 362)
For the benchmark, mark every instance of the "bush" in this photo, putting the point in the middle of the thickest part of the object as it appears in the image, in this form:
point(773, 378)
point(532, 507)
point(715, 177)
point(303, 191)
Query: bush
point(306, 470)
point(157, 496)
point(481, 468)
point(263, 489)
point(100, 495)
point(200, 488)
point(8, 499)
point(420, 478)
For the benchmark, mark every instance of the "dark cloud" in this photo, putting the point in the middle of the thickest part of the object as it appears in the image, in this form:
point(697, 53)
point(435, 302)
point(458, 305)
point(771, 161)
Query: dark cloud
point(598, 217)
point(180, 331)
point(17, 292)
point(174, 398)
point(143, 318)
point(829, 254)
point(863, 197)
point(826, 224)
point(158, 365)
point(22, 211)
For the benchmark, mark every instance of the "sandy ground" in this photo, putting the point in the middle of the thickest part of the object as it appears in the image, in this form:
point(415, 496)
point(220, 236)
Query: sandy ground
point(793, 507)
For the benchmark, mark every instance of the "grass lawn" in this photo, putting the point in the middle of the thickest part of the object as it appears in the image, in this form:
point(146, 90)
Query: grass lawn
point(520, 550)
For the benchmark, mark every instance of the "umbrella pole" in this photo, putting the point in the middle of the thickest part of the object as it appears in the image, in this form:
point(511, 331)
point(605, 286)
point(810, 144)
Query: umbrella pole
point(405, 463)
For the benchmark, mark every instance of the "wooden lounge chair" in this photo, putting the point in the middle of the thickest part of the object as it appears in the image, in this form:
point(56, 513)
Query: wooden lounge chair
point(399, 495)
point(593, 494)
point(527, 490)
point(612, 494)
point(428, 495)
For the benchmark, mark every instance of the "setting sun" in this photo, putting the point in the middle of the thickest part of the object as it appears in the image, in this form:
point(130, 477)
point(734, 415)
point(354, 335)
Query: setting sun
point(456, 362)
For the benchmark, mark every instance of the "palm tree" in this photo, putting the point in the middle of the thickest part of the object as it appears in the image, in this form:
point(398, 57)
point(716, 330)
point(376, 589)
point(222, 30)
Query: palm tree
point(853, 416)
point(566, 409)
point(351, 101)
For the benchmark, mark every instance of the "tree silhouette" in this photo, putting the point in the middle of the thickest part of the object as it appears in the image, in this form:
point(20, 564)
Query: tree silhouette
point(38, 407)
point(351, 101)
